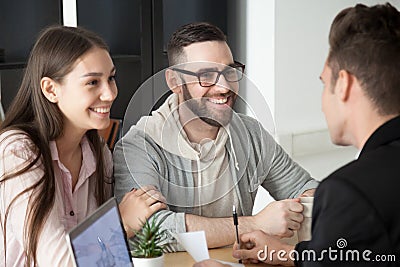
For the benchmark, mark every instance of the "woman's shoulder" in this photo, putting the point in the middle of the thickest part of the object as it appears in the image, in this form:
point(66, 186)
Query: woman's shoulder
point(17, 142)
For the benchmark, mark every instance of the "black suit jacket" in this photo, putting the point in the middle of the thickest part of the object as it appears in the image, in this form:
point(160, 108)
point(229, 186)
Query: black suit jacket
point(358, 208)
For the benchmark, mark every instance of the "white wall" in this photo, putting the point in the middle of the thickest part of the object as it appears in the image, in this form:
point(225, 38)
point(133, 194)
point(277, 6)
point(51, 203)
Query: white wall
point(260, 49)
point(287, 43)
point(299, 33)
point(69, 13)
point(301, 46)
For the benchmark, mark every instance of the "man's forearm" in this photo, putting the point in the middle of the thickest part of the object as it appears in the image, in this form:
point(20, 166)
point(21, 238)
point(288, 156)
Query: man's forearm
point(219, 231)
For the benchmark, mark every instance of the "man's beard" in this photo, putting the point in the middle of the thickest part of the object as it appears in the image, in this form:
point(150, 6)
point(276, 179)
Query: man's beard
point(199, 108)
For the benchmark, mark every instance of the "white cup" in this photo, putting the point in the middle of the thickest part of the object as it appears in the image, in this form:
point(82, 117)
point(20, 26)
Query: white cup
point(304, 233)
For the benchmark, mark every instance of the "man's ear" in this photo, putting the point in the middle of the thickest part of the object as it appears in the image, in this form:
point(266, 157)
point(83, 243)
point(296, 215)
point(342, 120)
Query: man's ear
point(173, 81)
point(49, 89)
point(344, 85)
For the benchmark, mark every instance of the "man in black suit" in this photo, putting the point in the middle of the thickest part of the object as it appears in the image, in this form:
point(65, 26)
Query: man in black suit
point(356, 215)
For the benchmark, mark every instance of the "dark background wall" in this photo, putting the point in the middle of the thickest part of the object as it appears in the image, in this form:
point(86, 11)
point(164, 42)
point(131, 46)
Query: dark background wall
point(180, 12)
point(137, 32)
point(21, 21)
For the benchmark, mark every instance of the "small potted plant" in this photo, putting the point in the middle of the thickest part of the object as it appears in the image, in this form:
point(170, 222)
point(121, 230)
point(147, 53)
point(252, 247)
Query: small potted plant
point(147, 248)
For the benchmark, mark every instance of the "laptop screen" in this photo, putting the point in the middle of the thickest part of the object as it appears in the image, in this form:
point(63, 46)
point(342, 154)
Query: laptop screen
point(100, 240)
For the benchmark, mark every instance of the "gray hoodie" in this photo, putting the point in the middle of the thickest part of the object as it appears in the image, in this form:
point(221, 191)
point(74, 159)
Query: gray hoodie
point(208, 178)
point(213, 186)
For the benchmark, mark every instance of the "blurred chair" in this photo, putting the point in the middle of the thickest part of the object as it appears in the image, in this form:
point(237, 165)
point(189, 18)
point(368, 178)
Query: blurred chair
point(112, 133)
point(160, 101)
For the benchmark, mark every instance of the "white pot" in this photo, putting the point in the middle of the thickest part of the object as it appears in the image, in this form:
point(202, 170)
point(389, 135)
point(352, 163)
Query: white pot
point(149, 262)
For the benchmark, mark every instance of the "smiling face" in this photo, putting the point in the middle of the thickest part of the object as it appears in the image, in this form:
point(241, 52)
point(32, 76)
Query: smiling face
point(212, 104)
point(86, 93)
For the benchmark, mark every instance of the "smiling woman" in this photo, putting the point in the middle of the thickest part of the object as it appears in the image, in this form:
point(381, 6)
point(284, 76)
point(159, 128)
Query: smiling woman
point(55, 169)
point(90, 86)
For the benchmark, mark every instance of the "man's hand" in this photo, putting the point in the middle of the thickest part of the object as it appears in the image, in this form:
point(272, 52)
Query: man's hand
point(210, 263)
point(256, 247)
point(308, 193)
point(280, 218)
point(138, 205)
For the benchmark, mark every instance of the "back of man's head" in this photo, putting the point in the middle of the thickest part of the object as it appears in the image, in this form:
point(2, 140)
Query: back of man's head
point(365, 41)
point(189, 34)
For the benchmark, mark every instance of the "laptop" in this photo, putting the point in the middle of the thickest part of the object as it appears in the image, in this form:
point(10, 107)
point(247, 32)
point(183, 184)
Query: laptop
point(100, 239)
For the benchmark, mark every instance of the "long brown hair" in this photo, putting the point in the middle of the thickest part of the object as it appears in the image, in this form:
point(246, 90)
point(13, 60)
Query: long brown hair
point(53, 55)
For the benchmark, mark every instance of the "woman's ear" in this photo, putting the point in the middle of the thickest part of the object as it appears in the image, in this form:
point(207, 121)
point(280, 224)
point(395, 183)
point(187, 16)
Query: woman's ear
point(173, 81)
point(49, 89)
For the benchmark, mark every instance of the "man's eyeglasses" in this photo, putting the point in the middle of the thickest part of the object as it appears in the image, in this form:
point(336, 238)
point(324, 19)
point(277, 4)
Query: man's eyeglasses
point(208, 78)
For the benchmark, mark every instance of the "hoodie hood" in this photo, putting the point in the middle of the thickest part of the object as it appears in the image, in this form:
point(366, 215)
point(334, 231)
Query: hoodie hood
point(172, 136)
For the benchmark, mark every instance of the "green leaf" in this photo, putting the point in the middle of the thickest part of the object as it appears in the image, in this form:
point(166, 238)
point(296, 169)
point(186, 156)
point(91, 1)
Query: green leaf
point(147, 242)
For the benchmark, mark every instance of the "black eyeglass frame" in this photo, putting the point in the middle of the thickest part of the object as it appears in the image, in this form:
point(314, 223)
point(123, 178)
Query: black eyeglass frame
point(235, 65)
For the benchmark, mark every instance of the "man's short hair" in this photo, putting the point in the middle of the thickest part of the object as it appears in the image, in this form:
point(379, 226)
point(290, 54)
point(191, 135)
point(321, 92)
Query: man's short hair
point(365, 41)
point(189, 34)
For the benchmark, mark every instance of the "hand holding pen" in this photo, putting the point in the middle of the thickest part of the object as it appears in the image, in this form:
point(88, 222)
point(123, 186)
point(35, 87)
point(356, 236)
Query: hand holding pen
point(236, 223)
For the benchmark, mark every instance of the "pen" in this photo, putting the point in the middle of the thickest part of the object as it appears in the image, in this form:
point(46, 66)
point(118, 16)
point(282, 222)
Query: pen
point(236, 223)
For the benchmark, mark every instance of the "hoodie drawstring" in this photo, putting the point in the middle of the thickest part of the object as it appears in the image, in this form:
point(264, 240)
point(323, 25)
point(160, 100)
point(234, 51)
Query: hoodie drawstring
point(199, 183)
point(233, 153)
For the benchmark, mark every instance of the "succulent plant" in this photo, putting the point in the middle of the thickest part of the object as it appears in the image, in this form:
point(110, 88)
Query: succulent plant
point(148, 241)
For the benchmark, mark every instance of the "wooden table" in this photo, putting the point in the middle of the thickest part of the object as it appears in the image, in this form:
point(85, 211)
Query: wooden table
point(183, 259)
